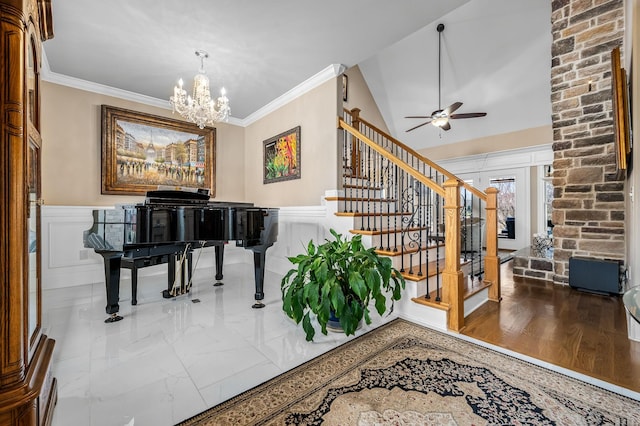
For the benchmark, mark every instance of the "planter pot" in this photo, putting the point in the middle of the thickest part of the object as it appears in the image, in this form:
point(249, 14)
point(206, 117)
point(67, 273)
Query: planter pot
point(334, 324)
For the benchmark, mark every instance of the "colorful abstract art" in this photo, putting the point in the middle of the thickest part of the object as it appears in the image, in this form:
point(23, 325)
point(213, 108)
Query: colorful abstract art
point(282, 156)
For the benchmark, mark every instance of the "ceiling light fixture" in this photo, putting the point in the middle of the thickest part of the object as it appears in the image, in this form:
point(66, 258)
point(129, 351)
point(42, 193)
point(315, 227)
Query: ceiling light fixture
point(200, 108)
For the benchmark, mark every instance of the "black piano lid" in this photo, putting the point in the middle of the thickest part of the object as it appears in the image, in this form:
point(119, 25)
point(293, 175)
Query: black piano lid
point(180, 197)
point(170, 196)
point(176, 194)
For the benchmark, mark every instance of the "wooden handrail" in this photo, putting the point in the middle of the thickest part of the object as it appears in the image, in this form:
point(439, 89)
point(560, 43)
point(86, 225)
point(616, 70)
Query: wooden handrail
point(440, 169)
point(452, 276)
point(392, 158)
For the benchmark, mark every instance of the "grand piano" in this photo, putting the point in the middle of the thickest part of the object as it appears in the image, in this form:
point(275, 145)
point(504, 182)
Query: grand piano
point(166, 228)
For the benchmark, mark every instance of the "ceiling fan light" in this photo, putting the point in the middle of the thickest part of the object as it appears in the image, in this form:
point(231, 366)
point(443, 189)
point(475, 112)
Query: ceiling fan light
point(440, 121)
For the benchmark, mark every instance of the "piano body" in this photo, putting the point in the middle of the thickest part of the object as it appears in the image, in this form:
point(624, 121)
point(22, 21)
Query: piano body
point(167, 227)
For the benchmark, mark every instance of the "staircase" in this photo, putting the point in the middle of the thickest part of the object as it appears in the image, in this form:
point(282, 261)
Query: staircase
point(440, 232)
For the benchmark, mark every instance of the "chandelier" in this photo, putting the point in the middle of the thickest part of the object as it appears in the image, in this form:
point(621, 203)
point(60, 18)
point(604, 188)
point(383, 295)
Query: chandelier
point(200, 108)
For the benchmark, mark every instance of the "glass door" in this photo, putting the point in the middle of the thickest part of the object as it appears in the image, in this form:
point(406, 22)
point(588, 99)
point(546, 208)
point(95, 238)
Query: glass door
point(33, 247)
point(513, 204)
point(514, 216)
point(34, 201)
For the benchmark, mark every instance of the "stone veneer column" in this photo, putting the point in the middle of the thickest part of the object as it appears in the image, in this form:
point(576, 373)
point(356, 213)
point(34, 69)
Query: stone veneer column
point(589, 196)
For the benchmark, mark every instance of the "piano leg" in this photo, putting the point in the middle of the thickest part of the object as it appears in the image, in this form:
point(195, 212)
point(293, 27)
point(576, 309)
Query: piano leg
point(112, 263)
point(258, 264)
point(219, 261)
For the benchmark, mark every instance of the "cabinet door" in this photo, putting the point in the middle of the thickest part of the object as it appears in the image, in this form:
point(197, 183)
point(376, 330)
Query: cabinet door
point(34, 199)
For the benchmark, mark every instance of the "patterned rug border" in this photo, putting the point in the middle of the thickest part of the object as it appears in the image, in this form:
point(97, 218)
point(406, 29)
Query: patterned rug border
point(281, 379)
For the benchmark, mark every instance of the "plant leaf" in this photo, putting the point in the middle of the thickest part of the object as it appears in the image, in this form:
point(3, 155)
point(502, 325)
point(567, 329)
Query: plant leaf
point(380, 303)
point(308, 328)
point(337, 300)
point(357, 284)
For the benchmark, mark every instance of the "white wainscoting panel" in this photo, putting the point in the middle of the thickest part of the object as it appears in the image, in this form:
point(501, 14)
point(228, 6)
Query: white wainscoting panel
point(296, 226)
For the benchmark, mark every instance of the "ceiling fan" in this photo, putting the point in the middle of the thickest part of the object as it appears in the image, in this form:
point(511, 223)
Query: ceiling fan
point(440, 117)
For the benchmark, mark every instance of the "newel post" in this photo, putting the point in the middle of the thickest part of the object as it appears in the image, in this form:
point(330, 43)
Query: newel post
point(491, 260)
point(452, 279)
point(355, 152)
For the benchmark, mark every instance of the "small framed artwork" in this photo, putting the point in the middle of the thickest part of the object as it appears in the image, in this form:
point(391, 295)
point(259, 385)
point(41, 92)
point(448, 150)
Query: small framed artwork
point(282, 156)
point(141, 152)
point(345, 87)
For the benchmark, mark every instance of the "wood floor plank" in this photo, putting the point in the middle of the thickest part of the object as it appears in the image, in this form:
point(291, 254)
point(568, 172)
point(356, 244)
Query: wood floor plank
point(583, 332)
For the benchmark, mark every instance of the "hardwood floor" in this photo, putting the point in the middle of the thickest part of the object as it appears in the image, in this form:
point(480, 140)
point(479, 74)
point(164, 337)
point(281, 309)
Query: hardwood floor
point(583, 332)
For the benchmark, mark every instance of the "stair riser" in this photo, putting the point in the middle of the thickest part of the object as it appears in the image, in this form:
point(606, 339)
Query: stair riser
point(363, 193)
point(377, 222)
point(419, 288)
point(352, 181)
point(409, 262)
point(406, 259)
point(373, 207)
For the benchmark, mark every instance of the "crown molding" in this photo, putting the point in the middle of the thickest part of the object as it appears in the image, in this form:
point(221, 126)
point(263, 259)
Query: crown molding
point(326, 74)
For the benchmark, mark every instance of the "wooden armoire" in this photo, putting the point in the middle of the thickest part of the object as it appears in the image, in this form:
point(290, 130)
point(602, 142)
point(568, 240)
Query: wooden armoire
point(27, 387)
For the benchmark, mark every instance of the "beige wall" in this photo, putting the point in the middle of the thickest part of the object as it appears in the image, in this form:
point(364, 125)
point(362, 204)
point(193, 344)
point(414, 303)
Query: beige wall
point(71, 153)
point(315, 112)
point(71, 129)
point(359, 96)
point(502, 142)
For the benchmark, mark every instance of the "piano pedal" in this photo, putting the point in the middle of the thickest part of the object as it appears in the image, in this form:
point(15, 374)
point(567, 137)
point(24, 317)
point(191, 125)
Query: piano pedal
point(258, 305)
point(113, 318)
point(218, 283)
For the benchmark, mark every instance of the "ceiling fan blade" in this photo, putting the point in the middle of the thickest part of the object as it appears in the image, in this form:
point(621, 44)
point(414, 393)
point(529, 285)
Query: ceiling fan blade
point(468, 115)
point(419, 125)
point(454, 106)
point(418, 116)
point(446, 126)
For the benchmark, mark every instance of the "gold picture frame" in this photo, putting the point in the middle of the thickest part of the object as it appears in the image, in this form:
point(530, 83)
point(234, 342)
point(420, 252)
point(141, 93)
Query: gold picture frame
point(141, 152)
point(620, 106)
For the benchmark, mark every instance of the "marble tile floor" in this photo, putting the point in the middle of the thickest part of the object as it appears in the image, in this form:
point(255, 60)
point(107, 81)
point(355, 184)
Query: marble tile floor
point(170, 359)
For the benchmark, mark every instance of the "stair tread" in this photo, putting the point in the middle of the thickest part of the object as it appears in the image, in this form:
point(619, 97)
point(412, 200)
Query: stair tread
point(384, 200)
point(387, 231)
point(469, 290)
point(432, 268)
point(397, 251)
point(474, 288)
point(431, 302)
point(371, 188)
point(374, 214)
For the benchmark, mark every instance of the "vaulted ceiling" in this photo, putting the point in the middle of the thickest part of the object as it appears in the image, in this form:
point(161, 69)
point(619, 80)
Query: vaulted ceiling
point(495, 54)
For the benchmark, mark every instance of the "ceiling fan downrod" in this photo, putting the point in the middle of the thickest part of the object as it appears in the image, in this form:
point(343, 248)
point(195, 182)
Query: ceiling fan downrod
point(440, 29)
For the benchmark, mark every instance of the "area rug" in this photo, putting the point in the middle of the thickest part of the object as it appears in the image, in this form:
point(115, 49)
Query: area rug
point(406, 374)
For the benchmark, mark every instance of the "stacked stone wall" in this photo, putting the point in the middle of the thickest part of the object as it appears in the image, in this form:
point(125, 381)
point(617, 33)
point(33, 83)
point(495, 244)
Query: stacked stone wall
point(589, 193)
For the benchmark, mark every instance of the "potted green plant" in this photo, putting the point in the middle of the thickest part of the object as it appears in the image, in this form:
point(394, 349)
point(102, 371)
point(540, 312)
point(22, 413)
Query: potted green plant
point(339, 277)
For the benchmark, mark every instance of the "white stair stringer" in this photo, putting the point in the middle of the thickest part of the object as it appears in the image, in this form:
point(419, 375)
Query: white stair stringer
point(421, 314)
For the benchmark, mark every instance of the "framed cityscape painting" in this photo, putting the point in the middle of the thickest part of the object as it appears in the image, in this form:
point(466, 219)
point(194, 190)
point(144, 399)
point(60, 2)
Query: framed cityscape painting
point(141, 152)
point(282, 156)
